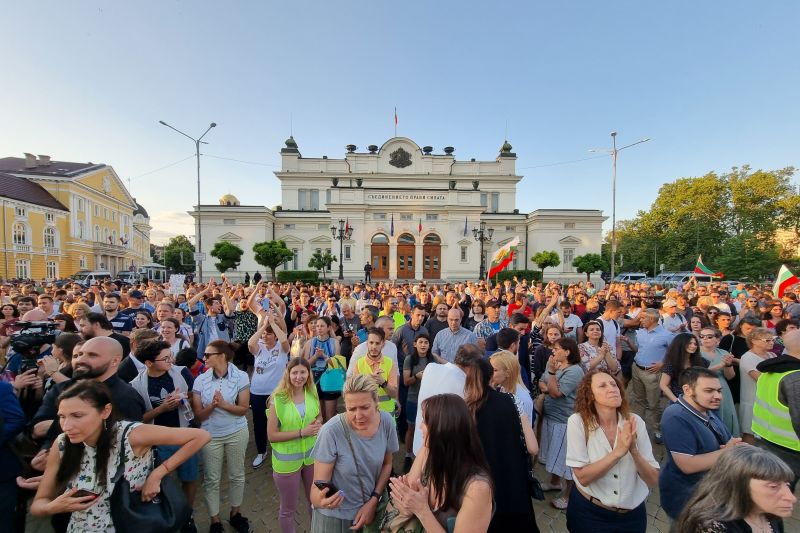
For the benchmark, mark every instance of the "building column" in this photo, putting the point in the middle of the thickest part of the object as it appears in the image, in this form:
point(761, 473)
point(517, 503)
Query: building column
point(392, 260)
point(418, 261)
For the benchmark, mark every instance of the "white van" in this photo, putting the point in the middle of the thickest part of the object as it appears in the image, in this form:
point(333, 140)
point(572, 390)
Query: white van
point(87, 278)
point(127, 277)
point(630, 277)
point(679, 279)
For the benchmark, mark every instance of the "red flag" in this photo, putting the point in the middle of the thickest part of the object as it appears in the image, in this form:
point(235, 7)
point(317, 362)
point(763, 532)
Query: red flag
point(395, 116)
point(419, 228)
point(347, 225)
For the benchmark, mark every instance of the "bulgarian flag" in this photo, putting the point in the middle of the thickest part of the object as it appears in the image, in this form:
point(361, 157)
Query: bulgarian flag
point(503, 257)
point(784, 280)
point(700, 268)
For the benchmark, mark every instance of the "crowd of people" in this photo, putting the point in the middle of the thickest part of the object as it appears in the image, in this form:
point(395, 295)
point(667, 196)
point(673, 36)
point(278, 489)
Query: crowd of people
point(478, 381)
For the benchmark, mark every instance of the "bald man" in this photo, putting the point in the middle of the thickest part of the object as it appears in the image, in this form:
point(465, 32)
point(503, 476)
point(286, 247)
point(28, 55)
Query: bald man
point(449, 340)
point(776, 414)
point(98, 360)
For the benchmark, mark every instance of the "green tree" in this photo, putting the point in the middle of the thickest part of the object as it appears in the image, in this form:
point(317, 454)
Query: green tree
point(545, 259)
point(321, 261)
point(229, 256)
point(272, 254)
point(589, 263)
point(747, 256)
point(178, 255)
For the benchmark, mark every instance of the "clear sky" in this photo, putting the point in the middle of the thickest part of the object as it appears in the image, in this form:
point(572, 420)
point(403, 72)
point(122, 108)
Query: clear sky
point(714, 84)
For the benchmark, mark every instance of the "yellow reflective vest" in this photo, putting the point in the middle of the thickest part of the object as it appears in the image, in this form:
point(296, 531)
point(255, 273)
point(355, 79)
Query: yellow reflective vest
point(771, 419)
point(385, 402)
point(291, 455)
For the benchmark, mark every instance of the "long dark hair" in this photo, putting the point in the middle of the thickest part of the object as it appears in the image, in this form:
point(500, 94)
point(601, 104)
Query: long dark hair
point(676, 355)
point(415, 354)
point(455, 454)
point(98, 396)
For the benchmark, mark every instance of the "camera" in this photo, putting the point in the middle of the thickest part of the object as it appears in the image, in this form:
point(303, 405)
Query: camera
point(33, 336)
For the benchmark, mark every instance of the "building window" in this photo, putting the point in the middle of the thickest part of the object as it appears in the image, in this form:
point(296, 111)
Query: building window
point(509, 228)
point(431, 216)
point(295, 258)
point(302, 194)
point(80, 229)
point(229, 221)
point(484, 199)
point(308, 199)
point(52, 270)
point(21, 212)
point(50, 237)
point(113, 216)
point(82, 262)
point(288, 226)
point(569, 225)
point(567, 256)
point(379, 216)
point(495, 207)
point(49, 217)
point(514, 262)
point(80, 204)
point(315, 200)
point(463, 254)
point(97, 233)
point(105, 213)
point(327, 250)
point(105, 234)
point(406, 216)
point(347, 253)
point(318, 250)
point(23, 269)
point(114, 237)
point(96, 210)
point(327, 197)
point(20, 233)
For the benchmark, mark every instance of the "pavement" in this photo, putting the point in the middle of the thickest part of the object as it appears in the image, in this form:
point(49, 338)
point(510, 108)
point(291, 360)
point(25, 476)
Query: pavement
point(261, 504)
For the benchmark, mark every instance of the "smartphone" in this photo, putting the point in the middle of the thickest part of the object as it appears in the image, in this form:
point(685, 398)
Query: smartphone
point(326, 485)
point(83, 492)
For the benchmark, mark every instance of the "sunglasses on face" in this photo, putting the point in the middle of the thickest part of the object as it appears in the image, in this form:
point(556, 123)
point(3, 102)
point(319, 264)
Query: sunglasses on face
point(708, 336)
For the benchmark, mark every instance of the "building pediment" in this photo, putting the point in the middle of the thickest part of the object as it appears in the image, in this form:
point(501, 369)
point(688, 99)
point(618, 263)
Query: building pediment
point(320, 239)
point(570, 240)
point(230, 237)
point(465, 242)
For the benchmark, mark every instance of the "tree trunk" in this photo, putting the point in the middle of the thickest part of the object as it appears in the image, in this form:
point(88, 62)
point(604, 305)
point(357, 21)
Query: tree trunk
point(273, 269)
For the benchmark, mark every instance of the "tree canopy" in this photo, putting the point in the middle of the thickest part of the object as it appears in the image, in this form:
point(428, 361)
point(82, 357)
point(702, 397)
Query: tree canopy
point(179, 255)
point(589, 264)
point(731, 219)
point(272, 254)
point(228, 254)
point(321, 261)
point(547, 258)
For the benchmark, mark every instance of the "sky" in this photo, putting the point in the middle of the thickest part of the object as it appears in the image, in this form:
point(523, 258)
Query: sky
point(713, 84)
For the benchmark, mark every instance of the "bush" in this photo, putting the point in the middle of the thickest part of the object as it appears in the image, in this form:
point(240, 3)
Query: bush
point(306, 276)
point(530, 275)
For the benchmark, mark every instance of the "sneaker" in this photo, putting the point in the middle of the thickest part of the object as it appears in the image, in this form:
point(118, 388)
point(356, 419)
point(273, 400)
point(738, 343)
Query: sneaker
point(216, 527)
point(407, 464)
point(658, 438)
point(548, 487)
point(258, 460)
point(189, 527)
point(240, 523)
point(560, 503)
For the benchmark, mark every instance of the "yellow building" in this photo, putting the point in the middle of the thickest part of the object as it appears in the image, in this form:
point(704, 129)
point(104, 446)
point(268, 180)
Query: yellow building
point(103, 227)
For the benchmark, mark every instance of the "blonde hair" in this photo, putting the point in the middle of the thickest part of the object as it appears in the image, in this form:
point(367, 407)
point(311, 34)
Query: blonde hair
point(510, 364)
point(79, 305)
point(284, 388)
point(758, 333)
point(358, 383)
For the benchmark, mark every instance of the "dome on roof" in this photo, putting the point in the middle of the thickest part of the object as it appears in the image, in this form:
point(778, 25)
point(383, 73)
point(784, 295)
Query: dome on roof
point(229, 200)
point(140, 210)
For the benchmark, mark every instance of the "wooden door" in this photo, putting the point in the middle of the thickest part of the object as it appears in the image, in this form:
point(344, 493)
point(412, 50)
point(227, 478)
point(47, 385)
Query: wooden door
point(380, 261)
point(432, 261)
point(405, 261)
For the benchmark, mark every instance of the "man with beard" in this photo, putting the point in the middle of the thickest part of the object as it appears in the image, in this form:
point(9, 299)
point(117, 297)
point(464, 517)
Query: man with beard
point(437, 322)
point(98, 359)
point(122, 324)
point(97, 325)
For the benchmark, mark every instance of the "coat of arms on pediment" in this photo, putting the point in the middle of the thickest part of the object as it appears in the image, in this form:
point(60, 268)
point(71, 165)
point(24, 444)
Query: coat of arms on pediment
point(400, 158)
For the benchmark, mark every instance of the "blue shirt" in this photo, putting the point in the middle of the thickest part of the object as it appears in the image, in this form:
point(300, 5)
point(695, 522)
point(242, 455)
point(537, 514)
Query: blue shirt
point(689, 432)
point(653, 345)
point(446, 343)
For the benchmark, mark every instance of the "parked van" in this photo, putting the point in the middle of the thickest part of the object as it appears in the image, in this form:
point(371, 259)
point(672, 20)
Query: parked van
point(127, 277)
point(88, 278)
point(679, 279)
point(630, 277)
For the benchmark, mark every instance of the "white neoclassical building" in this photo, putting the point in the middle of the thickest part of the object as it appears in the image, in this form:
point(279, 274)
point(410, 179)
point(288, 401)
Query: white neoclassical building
point(412, 214)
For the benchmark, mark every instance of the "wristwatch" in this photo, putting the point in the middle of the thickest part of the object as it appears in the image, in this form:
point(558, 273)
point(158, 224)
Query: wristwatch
point(385, 382)
point(377, 496)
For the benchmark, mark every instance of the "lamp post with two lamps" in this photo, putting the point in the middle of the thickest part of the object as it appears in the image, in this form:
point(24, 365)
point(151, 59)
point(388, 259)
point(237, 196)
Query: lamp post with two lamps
point(199, 250)
point(483, 235)
point(341, 234)
point(614, 151)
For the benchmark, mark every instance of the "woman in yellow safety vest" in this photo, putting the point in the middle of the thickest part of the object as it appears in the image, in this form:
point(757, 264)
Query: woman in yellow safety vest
point(293, 421)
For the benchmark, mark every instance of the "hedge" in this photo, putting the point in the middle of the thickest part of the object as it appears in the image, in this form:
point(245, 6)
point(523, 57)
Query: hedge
point(530, 275)
point(306, 276)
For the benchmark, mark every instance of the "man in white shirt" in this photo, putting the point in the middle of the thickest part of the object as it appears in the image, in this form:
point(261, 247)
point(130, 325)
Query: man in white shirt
point(386, 323)
point(613, 311)
point(448, 378)
point(671, 319)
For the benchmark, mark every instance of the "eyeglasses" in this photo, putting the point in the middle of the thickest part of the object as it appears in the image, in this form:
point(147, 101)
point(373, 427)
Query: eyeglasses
point(163, 359)
point(212, 353)
point(767, 340)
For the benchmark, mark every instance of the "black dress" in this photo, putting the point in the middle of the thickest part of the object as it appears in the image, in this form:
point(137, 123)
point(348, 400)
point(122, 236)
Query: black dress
point(498, 420)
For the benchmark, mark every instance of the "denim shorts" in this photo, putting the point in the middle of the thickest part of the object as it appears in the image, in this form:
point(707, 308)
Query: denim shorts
point(189, 470)
point(411, 412)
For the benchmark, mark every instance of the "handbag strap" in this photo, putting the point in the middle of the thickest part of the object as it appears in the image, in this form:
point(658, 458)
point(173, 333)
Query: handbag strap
point(352, 450)
point(121, 467)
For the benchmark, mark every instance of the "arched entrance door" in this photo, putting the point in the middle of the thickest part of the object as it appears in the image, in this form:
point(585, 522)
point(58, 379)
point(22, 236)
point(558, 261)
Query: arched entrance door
point(380, 256)
point(432, 257)
point(405, 256)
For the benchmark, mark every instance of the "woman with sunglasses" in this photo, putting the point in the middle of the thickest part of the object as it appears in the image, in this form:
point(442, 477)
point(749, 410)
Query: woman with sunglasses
point(721, 362)
point(221, 399)
point(760, 341)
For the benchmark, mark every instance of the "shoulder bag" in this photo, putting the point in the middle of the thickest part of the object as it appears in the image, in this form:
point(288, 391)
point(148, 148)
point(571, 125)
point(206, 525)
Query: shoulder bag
point(168, 511)
point(380, 510)
point(332, 380)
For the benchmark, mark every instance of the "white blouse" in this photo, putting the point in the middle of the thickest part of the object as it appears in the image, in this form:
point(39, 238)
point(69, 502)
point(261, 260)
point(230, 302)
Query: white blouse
point(621, 486)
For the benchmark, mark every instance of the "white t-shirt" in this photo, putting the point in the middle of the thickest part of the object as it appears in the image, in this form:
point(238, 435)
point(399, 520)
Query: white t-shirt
point(572, 321)
point(610, 333)
point(523, 396)
point(437, 379)
point(178, 345)
point(269, 365)
point(389, 350)
point(747, 385)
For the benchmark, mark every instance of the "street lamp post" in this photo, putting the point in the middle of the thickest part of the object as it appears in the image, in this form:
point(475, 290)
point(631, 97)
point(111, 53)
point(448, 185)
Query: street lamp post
point(196, 142)
point(341, 234)
point(483, 235)
point(614, 152)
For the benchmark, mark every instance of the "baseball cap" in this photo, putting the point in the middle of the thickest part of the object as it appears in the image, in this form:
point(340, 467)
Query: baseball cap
point(136, 294)
point(493, 303)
